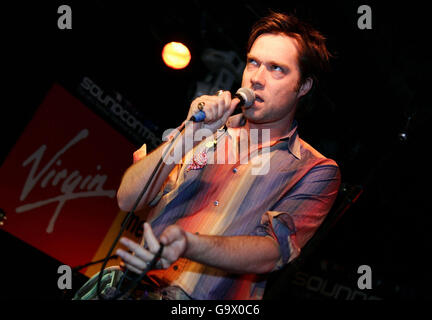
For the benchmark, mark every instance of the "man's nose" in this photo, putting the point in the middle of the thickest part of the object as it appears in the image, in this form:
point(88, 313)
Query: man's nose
point(258, 78)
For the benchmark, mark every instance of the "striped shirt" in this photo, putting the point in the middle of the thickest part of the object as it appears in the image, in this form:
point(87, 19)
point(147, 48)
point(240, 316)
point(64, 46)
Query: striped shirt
point(282, 190)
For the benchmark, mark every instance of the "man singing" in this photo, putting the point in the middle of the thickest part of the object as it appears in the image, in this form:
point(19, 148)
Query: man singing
point(225, 225)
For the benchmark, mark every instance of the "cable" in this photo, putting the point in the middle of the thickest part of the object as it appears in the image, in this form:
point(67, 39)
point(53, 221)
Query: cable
point(130, 213)
point(129, 289)
point(77, 268)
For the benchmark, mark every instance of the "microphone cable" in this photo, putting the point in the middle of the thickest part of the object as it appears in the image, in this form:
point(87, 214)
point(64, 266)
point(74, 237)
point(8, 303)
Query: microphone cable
point(126, 220)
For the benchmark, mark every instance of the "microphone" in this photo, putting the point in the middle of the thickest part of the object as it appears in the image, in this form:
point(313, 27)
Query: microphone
point(246, 96)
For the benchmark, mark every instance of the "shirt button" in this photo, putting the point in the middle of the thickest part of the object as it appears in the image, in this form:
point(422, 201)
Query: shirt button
point(216, 203)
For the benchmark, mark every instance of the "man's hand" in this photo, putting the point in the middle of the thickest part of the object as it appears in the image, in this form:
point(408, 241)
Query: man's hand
point(217, 109)
point(237, 254)
point(173, 238)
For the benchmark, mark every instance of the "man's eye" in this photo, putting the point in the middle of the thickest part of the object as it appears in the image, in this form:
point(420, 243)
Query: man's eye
point(277, 68)
point(252, 62)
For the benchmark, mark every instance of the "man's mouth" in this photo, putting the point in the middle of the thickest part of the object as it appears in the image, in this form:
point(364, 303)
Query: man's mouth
point(258, 98)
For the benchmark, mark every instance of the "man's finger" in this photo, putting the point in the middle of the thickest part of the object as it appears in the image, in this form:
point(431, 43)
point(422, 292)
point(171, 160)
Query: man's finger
point(139, 251)
point(150, 238)
point(169, 235)
point(131, 259)
point(228, 112)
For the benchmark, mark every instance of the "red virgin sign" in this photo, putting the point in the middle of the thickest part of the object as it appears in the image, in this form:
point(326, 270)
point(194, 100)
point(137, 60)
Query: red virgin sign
point(59, 181)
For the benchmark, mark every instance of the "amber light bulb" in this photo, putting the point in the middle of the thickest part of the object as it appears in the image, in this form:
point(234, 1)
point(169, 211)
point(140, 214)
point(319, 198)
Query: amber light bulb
point(176, 55)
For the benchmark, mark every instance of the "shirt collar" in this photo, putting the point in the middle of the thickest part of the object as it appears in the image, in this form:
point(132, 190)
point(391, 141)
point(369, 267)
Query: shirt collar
point(292, 138)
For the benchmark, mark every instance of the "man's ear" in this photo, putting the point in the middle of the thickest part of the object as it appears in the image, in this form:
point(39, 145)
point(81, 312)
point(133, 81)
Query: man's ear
point(305, 87)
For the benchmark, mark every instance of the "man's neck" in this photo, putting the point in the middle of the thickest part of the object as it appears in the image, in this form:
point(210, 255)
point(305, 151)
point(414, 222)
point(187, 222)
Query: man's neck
point(277, 130)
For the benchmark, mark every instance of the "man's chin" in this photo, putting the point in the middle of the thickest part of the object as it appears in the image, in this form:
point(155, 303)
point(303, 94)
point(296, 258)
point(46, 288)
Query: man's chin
point(253, 116)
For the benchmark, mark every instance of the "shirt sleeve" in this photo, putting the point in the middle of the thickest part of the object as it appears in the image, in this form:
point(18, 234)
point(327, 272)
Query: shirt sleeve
point(140, 153)
point(169, 183)
point(295, 218)
point(167, 186)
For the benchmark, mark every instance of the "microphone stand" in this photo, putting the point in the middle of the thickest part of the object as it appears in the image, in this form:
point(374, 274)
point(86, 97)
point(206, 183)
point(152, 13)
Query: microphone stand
point(126, 220)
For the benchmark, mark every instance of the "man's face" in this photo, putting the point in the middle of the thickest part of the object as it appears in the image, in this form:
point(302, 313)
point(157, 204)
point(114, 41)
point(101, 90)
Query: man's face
point(272, 72)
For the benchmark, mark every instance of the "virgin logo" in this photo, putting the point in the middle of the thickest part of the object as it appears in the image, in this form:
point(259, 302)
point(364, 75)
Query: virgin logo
point(72, 185)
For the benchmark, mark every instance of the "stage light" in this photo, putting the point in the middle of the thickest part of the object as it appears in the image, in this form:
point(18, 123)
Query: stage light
point(176, 55)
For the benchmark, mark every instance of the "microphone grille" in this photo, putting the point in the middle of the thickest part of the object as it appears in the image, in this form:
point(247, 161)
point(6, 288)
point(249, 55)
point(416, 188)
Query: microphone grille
point(248, 96)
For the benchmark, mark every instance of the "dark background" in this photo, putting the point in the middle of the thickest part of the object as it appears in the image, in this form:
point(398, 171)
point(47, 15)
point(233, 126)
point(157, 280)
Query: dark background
point(377, 89)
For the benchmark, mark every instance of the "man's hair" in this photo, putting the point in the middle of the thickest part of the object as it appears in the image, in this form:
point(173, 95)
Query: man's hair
point(313, 56)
